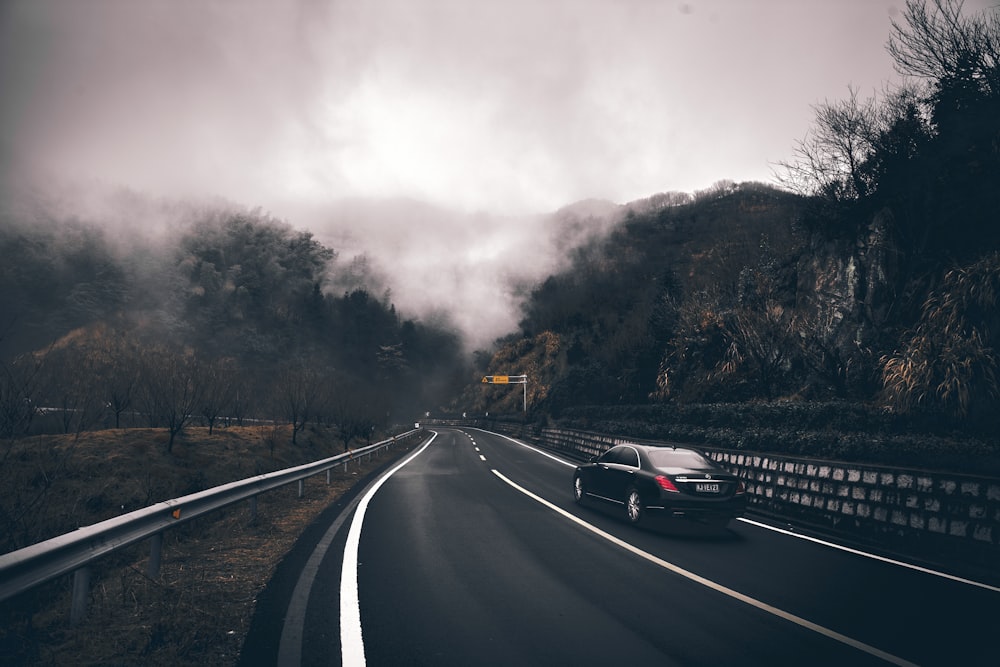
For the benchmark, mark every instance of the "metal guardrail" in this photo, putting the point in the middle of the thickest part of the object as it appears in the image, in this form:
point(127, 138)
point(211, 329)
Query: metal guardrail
point(39, 563)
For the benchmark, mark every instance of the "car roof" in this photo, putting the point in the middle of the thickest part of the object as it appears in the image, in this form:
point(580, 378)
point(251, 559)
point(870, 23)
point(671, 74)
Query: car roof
point(652, 447)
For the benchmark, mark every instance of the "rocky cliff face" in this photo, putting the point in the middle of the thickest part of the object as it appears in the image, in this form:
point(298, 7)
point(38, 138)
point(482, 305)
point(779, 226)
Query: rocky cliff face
point(846, 289)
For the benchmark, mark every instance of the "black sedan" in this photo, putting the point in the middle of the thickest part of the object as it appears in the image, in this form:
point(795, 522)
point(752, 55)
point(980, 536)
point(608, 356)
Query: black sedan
point(664, 480)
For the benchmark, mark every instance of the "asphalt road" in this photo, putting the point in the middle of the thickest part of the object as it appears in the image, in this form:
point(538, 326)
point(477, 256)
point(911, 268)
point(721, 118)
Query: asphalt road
point(472, 552)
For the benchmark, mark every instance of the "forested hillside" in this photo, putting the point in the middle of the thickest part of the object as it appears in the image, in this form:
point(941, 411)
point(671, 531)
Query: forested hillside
point(871, 275)
point(226, 313)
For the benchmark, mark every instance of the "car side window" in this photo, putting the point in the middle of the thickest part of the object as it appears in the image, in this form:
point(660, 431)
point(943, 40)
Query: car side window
point(610, 456)
point(629, 457)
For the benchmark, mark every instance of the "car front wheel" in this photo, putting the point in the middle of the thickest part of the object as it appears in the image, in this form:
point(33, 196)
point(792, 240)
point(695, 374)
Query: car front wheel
point(633, 506)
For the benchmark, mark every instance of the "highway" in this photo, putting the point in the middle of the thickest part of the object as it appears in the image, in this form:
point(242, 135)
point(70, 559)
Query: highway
point(470, 551)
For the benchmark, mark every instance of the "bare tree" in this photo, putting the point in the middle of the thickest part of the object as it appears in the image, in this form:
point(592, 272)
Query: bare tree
point(298, 390)
point(173, 385)
point(829, 160)
point(940, 43)
point(118, 366)
point(220, 389)
point(18, 390)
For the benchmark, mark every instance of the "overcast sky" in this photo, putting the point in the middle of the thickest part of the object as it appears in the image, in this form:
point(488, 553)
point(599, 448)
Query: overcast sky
point(486, 108)
point(509, 107)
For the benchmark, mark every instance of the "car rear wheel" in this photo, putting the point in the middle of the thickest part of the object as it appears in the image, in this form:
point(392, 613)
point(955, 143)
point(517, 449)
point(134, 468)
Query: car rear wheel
point(634, 509)
point(578, 491)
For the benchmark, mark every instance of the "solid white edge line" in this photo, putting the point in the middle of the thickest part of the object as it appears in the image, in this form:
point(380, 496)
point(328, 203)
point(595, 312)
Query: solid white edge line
point(352, 645)
point(866, 554)
point(789, 533)
point(763, 606)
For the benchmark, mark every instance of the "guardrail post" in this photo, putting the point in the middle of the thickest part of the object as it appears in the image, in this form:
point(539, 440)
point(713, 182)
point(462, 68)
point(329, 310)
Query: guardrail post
point(328, 471)
point(253, 509)
point(155, 555)
point(302, 488)
point(81, 591)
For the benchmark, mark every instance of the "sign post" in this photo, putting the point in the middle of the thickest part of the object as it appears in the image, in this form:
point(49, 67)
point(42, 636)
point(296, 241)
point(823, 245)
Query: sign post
point(510, 379)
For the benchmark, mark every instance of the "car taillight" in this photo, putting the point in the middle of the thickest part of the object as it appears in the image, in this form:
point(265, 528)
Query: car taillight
point(740, 488)
point(666, 484)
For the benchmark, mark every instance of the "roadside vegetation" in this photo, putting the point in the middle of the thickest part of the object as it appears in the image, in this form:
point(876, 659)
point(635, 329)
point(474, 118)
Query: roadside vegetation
point(870, 276)
point(198, 611)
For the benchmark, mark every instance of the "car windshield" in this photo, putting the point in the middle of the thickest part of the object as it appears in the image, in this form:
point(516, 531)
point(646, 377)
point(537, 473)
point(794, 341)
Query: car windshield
point(678, 458)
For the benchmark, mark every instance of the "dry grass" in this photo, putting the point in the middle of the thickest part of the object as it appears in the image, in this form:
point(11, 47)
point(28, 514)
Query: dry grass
point(198, 610)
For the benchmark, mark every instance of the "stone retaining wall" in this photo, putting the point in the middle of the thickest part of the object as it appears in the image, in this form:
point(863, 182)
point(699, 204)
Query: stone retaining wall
point(947, 512)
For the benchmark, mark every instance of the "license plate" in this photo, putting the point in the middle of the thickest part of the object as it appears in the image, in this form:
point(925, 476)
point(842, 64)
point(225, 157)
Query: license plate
point(705, 487)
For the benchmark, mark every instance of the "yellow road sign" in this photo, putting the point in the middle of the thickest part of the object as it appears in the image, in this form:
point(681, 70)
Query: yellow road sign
point(501, 379)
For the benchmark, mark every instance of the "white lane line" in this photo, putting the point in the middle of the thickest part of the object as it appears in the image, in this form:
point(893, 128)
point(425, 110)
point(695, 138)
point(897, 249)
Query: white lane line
point(883, 559)
point(482, 457)
point(832, 545)
point(538, 451)
point(290, 644)
point(352, 645)
point(763, 606)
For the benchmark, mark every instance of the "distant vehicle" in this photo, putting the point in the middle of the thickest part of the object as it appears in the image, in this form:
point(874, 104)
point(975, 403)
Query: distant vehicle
point(661, 480)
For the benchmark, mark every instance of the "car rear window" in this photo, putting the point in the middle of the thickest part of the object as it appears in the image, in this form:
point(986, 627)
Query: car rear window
point(678, 458)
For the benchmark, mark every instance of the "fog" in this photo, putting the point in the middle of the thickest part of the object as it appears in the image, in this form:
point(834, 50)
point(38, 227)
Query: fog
point(432, 136)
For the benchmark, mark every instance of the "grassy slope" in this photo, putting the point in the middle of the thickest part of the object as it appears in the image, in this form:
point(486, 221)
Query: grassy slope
point(198, 611)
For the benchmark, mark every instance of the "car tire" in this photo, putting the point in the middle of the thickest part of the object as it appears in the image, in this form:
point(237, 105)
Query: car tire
point(579, 492)
point(634, 509)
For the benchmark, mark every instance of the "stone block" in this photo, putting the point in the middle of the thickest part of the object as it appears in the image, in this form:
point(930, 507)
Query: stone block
point(904, 481)
point(970, 489)
point(853, 475)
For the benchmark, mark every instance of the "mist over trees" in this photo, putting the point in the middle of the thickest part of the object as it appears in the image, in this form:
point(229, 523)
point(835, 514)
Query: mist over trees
point(870, 275)
point(231, 316)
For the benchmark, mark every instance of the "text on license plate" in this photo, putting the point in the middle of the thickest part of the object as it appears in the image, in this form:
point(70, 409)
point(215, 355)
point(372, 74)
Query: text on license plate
point(705, 487)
